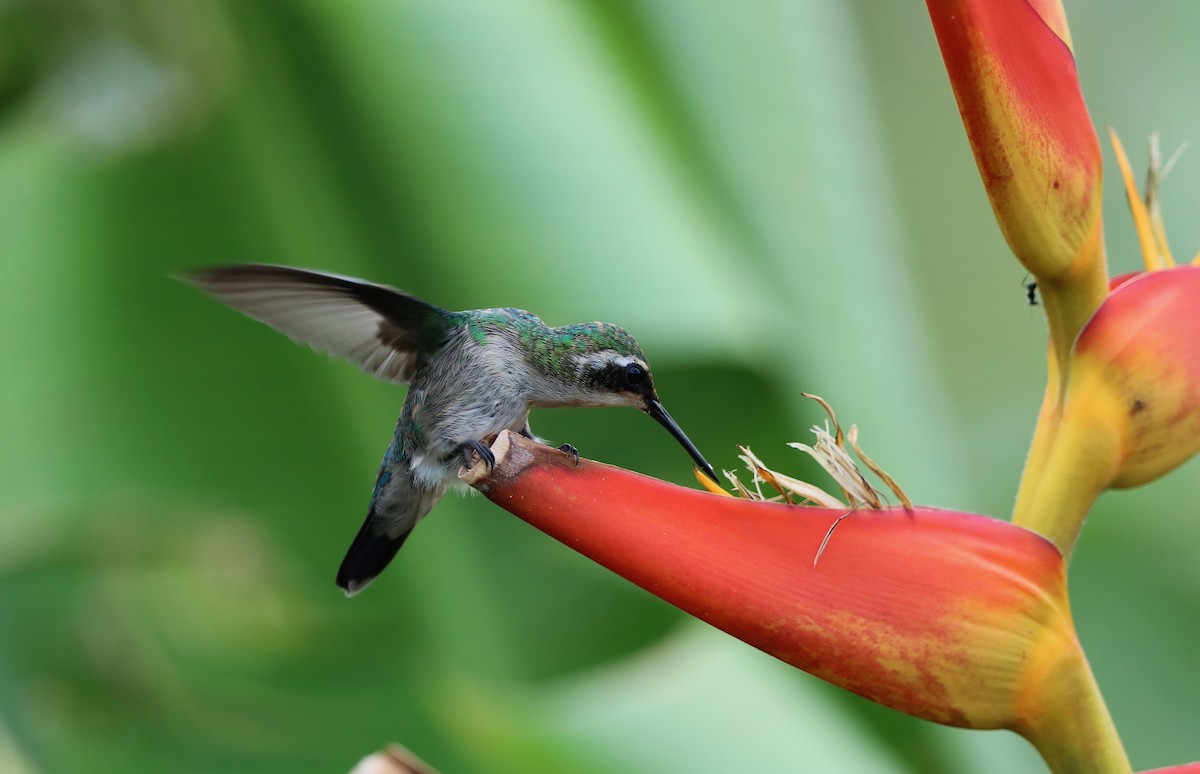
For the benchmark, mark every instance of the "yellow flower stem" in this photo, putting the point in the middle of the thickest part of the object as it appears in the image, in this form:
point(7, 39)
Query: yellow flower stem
point(1076, 459)
point(1069, 303)
point(1072, 297)
point(1039, 447)
point(1067, 719)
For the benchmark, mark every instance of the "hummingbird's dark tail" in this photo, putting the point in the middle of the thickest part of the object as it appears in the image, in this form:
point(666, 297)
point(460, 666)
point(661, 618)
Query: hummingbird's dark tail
point(371, 551)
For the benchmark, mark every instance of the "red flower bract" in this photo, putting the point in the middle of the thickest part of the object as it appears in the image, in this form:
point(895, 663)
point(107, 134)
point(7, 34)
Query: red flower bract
point(1146, 340)
point(1014, 76)
point(935, 613)
point(1013, 72)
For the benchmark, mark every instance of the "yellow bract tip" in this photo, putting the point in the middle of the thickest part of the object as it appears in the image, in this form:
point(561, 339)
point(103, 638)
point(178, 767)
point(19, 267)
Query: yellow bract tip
point(1153, 254)
point(708, 483)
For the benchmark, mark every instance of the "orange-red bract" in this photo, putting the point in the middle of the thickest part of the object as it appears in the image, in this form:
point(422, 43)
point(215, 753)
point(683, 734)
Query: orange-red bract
point(939, 614)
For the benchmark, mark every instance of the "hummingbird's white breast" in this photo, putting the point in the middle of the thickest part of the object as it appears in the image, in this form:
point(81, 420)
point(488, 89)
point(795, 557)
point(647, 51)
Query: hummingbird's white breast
point(469, 391)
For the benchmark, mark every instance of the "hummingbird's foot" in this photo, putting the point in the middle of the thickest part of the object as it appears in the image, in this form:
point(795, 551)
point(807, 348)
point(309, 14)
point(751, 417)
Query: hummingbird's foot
point(525, 431)
point(479, 447)
point(569, 449)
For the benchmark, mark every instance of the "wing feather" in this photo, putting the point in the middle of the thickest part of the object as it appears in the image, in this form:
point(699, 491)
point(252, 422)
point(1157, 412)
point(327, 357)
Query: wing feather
point(384, 331)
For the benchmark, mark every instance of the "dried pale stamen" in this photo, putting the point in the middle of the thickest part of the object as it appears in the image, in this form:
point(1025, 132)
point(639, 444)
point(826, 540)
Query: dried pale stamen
point(878, 471)
point(1178, 154)
point(1157, 173)
point(739, 486)
point(785, 485)
point(810, 492)
point(773, 480)
point(762, 474)
point(755, 466)
point(846, 464)
point(788, 485)
point(838, 463)
point(841, 441)
point(831, 453)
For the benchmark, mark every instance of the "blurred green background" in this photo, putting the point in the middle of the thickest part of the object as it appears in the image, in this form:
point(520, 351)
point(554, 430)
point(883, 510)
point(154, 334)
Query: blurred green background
point(775, 196)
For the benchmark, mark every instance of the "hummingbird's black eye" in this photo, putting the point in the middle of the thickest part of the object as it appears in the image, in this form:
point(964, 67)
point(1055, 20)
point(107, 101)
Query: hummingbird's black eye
point(635, 375)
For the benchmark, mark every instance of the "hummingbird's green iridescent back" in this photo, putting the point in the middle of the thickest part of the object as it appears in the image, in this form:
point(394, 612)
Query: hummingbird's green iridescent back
point(553, 351)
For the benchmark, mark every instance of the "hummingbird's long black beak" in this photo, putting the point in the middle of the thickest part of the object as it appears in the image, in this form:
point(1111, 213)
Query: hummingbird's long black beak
point(656, 410)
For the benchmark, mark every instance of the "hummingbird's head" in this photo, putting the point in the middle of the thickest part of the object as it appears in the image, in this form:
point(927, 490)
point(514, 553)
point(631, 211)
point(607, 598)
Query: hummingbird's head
point(604, 366)
point(615, 378)
point(610, 370)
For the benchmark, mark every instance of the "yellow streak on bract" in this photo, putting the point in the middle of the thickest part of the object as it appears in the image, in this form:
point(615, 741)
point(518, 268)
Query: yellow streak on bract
point(974, 661)
point(1002, 641)
point(964, 671)
point(1045, 195)
point(1060, 709)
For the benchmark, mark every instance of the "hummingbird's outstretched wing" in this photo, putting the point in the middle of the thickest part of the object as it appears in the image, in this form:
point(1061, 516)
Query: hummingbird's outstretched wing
point(384, 331)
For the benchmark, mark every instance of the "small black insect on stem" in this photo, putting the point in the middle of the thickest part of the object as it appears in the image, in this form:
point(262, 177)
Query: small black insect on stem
point(1030, 291)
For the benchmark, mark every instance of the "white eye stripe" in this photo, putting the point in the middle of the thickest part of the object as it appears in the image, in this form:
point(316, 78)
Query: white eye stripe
point(606, 359)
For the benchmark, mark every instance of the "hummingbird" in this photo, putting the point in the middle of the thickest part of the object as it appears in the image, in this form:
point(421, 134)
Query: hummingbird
point(470, 374)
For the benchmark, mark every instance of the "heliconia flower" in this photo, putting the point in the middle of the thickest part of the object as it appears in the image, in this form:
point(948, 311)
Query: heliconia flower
point(1131, 410)
point(951, 617)
point(1120, 406)
point(1012, 68)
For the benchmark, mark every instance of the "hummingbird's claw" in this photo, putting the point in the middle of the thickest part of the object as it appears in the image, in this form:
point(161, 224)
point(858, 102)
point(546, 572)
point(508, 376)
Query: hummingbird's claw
point(479, 447)
point(569, 449)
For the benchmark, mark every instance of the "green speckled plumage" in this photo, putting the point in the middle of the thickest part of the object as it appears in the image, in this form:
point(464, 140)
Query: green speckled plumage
point(550, 350)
